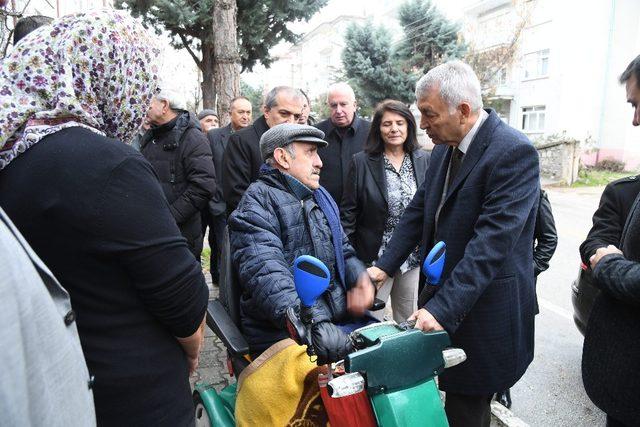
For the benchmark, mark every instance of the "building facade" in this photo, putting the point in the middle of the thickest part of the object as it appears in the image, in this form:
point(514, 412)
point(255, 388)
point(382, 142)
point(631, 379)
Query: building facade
point(563, 79)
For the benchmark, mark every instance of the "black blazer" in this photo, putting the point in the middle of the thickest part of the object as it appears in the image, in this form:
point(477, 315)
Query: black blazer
point(218, 139)
point(241, 162)
point(364, 207)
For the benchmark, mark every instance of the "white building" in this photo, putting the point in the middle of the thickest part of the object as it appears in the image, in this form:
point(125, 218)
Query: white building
point(564, 78)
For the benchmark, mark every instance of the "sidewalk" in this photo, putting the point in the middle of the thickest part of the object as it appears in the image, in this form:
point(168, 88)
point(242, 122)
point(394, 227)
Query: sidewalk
point(213, 358)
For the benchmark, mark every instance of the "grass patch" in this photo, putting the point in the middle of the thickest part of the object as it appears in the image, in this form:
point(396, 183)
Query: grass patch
point(205, 259)
point(596, 177)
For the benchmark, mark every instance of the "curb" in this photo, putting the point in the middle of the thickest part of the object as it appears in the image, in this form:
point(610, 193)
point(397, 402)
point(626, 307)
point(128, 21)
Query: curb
point(505, 417)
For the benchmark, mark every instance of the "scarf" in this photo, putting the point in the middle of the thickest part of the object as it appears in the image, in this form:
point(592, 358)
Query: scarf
point(95, 70)
point(328, 207)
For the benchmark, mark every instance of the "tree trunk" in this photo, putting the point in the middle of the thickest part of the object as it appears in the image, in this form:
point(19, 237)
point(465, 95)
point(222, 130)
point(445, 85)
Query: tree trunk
point(226, 60)
point(208, 79)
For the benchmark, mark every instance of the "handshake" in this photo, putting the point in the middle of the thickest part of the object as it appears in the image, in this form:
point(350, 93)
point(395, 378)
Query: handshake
point(314, 328)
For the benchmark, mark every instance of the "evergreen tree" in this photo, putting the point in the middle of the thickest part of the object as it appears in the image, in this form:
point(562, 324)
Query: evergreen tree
point(429, 37)
point(260, 25)
point(370, 66)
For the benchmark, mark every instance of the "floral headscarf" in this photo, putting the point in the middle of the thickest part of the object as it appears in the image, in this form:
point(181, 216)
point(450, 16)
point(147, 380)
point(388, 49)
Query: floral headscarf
point(97, 70)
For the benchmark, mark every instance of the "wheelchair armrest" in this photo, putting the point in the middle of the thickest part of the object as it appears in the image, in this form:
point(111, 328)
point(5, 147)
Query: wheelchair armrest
point(223, 326)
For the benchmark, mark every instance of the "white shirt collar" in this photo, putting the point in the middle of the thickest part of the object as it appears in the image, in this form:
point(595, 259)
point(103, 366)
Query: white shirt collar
point(468, 138)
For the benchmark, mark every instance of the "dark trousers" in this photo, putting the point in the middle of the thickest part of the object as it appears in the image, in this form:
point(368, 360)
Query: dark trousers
point(216, 230)
point(467, 410)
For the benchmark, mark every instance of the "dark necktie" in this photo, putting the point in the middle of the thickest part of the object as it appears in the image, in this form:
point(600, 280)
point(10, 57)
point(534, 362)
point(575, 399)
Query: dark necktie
point(456, 161)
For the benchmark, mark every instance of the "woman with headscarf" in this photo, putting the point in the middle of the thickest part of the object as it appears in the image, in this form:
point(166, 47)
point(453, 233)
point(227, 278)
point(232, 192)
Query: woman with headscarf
point(91, 207)
point(382, 181)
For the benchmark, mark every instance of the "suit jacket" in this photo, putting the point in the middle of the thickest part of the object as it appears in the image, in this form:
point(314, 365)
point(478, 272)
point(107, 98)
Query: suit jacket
point(364, 209)
point(337, 156)
point(486, 300)
point(218, 140)
point(610, 370)
point(611, 215)
point(242, 161)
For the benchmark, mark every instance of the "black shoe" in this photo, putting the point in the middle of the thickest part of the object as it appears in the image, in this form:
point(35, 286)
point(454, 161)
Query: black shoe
point(504, 398)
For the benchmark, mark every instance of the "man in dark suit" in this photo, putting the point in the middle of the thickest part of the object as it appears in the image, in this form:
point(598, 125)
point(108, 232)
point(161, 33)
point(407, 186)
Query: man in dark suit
point(346, 134)
point(610, 369)
point(479, 196)
point(242, 159)
point(214, 215)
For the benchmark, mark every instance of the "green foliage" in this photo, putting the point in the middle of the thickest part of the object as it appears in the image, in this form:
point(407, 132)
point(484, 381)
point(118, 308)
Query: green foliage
point(369, 65)
point(255, 97)
point(261, 24)
point(429, 37)
point(590, 177)
point(381, 69)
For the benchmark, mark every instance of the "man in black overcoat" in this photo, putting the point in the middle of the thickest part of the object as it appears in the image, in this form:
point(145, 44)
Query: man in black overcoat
point(611, 354)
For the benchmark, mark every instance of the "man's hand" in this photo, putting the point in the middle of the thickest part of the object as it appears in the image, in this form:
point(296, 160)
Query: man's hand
point(360, 297)
point(600, 252)
point(378, 277)
point(425, 321)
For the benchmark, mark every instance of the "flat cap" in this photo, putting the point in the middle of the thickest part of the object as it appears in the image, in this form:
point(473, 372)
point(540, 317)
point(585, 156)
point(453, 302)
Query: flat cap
point(286, 133)
point(206, 112)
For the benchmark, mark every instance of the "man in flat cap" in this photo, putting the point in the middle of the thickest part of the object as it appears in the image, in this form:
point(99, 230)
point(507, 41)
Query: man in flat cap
point(282, 215)
point(208, 120)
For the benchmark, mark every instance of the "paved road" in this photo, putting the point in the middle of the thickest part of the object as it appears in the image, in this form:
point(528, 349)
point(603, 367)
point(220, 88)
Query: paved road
point(551, 392)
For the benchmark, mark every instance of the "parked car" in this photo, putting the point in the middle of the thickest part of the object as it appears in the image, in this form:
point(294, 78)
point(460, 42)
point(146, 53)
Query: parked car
point(583, 296)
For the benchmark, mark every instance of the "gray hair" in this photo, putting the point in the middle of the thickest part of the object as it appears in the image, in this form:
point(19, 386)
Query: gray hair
point(633, 69)
point(290, 149)
point(270, 99)
point(341, 87)
point(457, 82)
point(173, 98)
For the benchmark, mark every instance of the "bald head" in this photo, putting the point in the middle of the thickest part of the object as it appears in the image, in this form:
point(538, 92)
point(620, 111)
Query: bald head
point(342, 103)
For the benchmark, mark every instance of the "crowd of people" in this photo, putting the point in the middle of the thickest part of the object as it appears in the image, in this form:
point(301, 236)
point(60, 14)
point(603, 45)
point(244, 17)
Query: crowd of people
point(113, 183)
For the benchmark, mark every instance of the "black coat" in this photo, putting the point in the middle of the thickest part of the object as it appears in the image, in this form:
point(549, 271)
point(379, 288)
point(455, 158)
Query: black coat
point(92, 208)
point(546, 237)
point(364, 209)
point(180, 154)
point(487, 299)
point(218, 141)
point(611, 215)
point(611, 354)
point(336, 157)
point(242, 161)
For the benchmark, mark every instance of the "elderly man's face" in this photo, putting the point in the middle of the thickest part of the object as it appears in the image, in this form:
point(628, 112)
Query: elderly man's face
point(240, 113)
point(209, 122)
point(633, 98)
point(442, 126)
point(343, 107)
point(157, 112)
point(288, 109)
point(305, 165)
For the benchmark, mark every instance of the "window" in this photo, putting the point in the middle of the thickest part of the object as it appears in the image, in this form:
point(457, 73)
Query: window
point(536, 64)
point(533, 119)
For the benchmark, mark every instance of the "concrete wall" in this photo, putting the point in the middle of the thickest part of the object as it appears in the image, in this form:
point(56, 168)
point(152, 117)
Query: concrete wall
point(559, 161)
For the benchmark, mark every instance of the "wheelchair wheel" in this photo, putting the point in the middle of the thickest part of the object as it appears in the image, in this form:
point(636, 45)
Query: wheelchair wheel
point(202, 417)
